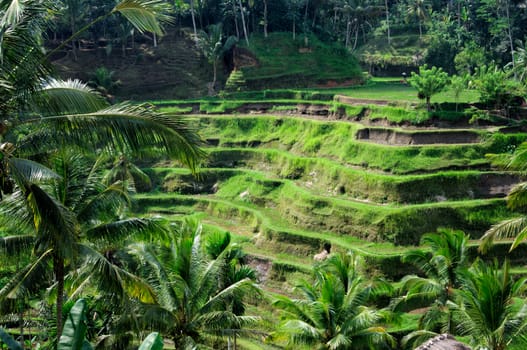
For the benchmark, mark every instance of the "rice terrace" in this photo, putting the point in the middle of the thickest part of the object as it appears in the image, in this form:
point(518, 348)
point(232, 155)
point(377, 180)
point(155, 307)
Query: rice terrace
point(271, 174)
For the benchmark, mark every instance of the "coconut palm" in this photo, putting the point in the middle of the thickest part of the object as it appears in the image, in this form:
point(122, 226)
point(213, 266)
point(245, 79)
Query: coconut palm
point(442, 266)
point(334, 312)
point(492, 311)
point(193, 300)
point(514, 229)
point(214, 46)
point(84, 228)
point(418, 9)
point(41, 115)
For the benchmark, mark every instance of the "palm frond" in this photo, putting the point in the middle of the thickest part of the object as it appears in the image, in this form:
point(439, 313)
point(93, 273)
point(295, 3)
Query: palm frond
point(116, 231)
point(156, 317)
point(416, 338)
point(300, 332)
point(244, 286)
point(145, 15)
point(14, 214)
point(13, 13)
point(519, 158)
point(67, 97)
point(506, 229)
point(16, 245)
point(126, 127)
point(157, 273)
point(56, 225)
point(218, 321)
point(102, 203)
point(27, 279)
point(115, 280)
point(25, 171)
point(517, 197)
point(339, 341)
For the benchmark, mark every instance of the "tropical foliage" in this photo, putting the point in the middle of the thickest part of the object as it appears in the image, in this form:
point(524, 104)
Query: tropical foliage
point(199, 291)
point(428, 82)
point(336, 311)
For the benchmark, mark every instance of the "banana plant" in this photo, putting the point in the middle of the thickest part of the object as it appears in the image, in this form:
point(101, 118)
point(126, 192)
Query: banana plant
point(9, 341)
point(152, 342)
point(74, 334)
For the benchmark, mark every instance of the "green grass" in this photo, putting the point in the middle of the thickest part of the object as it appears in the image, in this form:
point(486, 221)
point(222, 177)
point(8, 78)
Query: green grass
point(284, 61)
point(390, 89)
point(328, 178)
point(336, 141)
point(295, 206)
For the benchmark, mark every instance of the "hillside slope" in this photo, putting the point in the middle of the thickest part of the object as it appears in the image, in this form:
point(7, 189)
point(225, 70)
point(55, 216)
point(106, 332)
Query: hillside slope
point(174, 69)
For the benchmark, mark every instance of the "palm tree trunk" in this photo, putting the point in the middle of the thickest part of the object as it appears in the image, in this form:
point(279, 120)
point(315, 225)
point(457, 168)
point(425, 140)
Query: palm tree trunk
point(305, 20)
point(356, 39)
point(58, 269)
point(387, 20)
point(348, 33)
point(193, 20)
point(265, 18)
point(509, 34)
point(236, 20)
point(294, 29)
point(215, 69)
point(243, 23)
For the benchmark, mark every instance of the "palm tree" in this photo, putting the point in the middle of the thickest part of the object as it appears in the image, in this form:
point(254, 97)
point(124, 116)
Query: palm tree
point(442, 265)
point(492, 311)
point(192, 298)
point(86, 225)
point(39, 118)
point(334, 311)
point(515, 228)
point(214, 47)
point(219, 245)
point(417, 9)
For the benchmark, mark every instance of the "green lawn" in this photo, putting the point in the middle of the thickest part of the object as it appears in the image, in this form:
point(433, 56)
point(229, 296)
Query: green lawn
point(392, 89)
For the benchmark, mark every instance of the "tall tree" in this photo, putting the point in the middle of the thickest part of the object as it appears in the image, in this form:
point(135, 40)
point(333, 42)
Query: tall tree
point(418, 9)
point(214, 46)
point(81, 210)
point(40, 118)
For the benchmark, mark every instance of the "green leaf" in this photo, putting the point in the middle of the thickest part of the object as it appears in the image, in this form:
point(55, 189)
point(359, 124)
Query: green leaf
point(9, 341)
point(152, 342)
point(73, 335)
point(144, 15)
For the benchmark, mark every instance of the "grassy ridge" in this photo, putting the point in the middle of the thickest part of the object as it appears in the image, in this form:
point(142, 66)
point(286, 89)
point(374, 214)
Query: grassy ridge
point(283, 61)
point(295, 206)
point(337, 140)
point(327, 178)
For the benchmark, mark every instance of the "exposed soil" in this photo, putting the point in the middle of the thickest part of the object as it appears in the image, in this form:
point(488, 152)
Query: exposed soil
point(496, 185)
point(174, 69)
point(398, 138)
point(360, 101)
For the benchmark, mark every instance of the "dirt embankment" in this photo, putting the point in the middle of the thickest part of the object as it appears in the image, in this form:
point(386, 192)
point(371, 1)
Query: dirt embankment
point(398, 138)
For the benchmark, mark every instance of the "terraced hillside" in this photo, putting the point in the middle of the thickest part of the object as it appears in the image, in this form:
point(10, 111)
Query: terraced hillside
point(286, 178)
